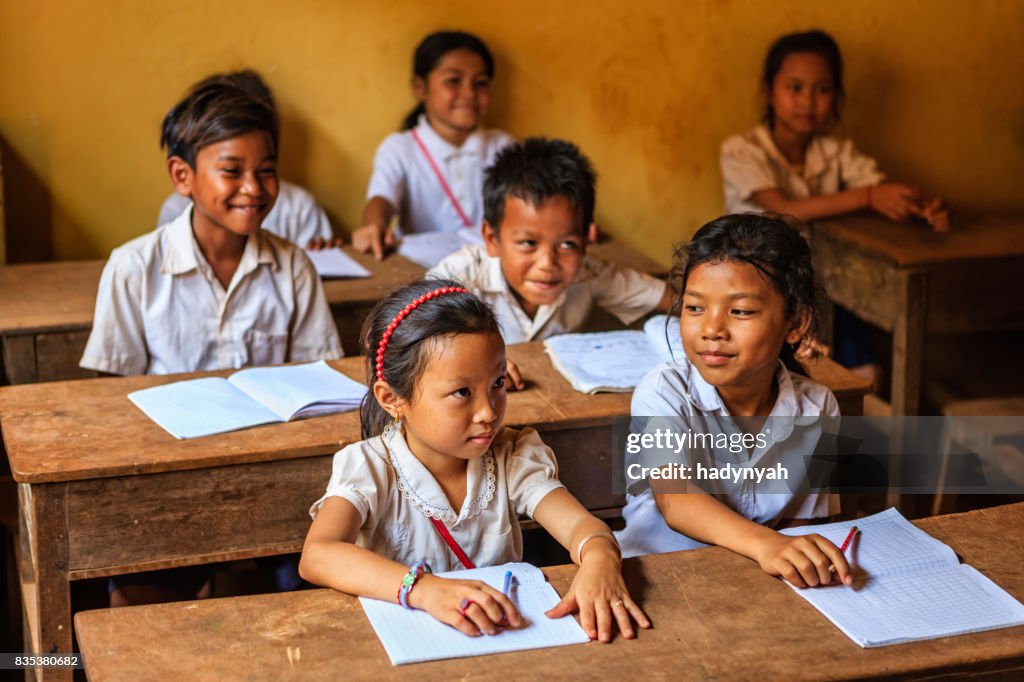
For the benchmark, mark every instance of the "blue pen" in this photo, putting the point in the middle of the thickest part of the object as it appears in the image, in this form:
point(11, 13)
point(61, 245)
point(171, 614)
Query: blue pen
point(508, 583)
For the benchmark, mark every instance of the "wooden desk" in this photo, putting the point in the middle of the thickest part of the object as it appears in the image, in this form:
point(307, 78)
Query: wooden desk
point(105, 491)
point(46, 309)
point(911, 282)
point(716, 616)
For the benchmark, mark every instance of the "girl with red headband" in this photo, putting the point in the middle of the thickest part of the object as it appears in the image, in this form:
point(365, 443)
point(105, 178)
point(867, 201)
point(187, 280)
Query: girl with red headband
point(439, 485)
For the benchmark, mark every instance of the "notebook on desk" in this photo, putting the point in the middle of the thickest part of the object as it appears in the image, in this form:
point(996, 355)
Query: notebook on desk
point(335, 263)
point(415, 636)
point(614, 362)
point(249, 397)
point(908, 586)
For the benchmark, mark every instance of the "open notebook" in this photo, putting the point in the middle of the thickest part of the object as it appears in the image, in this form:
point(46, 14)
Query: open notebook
point(614, 362)
point(249, 397)
point(430, 248)
point(414, 636)
point(908, 586)
point(335, 263)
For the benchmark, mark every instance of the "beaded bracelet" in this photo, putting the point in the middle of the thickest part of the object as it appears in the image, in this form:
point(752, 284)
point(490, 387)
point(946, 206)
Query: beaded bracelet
point(415, 571)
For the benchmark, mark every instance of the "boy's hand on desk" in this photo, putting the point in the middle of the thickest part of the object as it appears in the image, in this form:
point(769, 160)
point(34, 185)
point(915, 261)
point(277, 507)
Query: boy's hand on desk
point(487, 610)
point(319, 243)
point(802, 560)
point(373, 238)
point(895, 201)
point(514, 377)
point(600, 594)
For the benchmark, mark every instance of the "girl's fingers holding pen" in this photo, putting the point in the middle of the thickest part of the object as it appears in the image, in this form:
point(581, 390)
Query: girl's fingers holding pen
point(837, 560)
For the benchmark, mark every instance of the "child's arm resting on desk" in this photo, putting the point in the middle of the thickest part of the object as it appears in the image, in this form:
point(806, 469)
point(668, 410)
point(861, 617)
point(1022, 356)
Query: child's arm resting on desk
point(331, 558)
point(598, 589)
point(803, 560)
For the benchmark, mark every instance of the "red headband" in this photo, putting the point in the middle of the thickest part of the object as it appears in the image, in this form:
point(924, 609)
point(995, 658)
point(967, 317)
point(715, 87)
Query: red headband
point(402, 314)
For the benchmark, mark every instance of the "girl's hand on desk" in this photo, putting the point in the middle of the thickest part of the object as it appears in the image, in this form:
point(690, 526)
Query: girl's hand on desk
point(935, 214)
point(373, 238)
point(600, 594)
point(894, 200)
point(513, 377)
point(488, 612)
point(802, 560)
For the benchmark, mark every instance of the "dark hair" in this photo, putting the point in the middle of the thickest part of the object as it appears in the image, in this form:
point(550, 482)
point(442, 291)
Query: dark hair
point(770, 244)
point(218, 108)
point(538, 169)
point(411, 342)
point(816, 42)
point(429, 54)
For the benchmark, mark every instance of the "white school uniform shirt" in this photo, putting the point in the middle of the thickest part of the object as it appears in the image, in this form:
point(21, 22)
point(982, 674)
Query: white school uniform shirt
point(396, 497)
point(626, 293)
point(678, 391)
point(404, 177)
point(751, 162)
point(160, 309)
point(296, 215)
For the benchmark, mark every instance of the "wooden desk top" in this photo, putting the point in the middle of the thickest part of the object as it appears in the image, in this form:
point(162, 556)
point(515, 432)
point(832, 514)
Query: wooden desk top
point(38, 297)
point(49, 428)
point(916, 244)
point(716, 615)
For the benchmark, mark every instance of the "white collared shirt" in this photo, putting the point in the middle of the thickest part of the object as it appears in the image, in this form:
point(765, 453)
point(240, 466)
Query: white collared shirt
point(296, 216)
point(751, 162)
point(160, 309)
point(396, 496)
point(404, 177)
point(628, 294)
point(676, 390)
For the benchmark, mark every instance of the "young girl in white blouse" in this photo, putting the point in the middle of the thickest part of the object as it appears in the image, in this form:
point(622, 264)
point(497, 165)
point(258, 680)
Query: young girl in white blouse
point(439, 485)
point(431, 173)
point(747, 302)
point(792, 164)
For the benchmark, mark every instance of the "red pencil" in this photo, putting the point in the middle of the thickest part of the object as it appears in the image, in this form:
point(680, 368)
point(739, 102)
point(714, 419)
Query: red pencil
point(846, 542)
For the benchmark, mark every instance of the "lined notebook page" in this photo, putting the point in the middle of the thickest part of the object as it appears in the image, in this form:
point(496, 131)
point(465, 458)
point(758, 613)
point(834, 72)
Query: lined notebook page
point(603, 361)
point(414, 636)
point(908, 586)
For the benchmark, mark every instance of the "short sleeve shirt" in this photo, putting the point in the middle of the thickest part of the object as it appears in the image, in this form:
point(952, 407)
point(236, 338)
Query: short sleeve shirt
point(396, 497)
point(676, 390)
point(628, 294)
point(751, 162)
point(404, 176)
point(160, 309)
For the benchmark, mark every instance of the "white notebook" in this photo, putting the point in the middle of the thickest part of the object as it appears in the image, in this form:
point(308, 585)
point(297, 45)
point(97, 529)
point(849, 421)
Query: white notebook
point(908, 586)
point(430, 248)
point(249, 397)
point(415, 636)
point(334, 263)
point(614, 362)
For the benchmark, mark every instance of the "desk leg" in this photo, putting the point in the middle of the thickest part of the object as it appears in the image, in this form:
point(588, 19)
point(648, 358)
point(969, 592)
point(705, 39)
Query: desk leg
point(42, 569)
point(908, 343)
point(907, 362)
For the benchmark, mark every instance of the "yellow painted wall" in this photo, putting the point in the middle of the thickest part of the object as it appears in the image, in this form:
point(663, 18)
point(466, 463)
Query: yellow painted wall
point(648, 89)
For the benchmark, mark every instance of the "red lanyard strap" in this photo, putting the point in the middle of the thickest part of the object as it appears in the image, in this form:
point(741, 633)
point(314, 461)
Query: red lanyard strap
point(452, 545)
point(444, 184)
